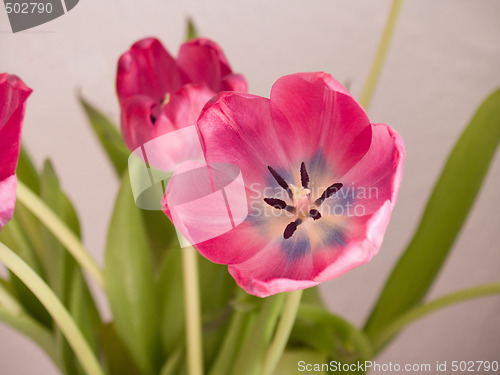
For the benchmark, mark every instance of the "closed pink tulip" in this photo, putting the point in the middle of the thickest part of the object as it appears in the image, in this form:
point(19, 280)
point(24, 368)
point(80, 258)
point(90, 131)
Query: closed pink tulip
point(159, 94)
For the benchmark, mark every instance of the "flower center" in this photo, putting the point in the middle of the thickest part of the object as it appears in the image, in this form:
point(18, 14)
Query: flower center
point(302, 206)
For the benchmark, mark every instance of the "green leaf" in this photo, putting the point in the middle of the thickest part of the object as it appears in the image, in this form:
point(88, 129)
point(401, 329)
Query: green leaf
point(116, 356)
point(445, 213)
point(161, 234)
point(191, 32)
point(348, 343)
point(130, 283)
point(15, 237)
point(109, 137)
point(217, 289)
point(27, 172)
point(65, 276)
point(171, 295)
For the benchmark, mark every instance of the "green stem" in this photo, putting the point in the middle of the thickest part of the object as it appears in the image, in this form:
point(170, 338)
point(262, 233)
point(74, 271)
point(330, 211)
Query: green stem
point(230, 345)
point(252, 352)
point(192, 308)
point(384, 336)
point(60, 230)
point(378, 62)
point(283, 332)
point(55, 308)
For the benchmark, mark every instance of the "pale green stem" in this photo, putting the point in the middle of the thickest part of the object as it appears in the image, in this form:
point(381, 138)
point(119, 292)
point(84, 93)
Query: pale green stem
point(230, 345)
point(55, 308)
point(384, 336)
point(60, 231)
point(282, 332)
point(378, 62)
point(192, 308)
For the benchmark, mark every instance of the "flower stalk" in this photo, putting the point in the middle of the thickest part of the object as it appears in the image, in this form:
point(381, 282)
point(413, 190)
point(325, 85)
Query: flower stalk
point(192, 308)
point(282, 332)
point(380, 55)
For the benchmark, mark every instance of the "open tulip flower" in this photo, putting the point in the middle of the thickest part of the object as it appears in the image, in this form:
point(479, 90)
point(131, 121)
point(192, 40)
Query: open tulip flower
point(321, 182)
point(13, 95)
point(159, 94)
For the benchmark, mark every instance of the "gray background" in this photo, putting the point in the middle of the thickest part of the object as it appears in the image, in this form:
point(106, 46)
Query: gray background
point(443, 62)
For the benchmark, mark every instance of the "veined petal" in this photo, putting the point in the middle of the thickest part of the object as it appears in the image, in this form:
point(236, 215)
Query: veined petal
point(7, 199)
point(147, 69)
point(234, 82)
point(13, 95)
point(322, 121)
point(238, 129)
point(376, 178)
point(202, 61)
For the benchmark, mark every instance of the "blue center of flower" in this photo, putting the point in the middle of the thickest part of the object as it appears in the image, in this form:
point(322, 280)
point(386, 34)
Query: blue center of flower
point(301, 205)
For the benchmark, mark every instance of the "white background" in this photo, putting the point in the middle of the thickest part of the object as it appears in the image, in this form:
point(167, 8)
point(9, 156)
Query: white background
point(444, 60)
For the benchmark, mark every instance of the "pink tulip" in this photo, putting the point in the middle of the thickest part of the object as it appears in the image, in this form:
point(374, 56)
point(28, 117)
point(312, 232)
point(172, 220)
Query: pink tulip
point(159, 94)
point(13, 95)
point(321, 182)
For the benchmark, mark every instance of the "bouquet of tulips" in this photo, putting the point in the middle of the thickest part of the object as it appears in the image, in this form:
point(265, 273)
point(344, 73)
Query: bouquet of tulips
point(232, 209)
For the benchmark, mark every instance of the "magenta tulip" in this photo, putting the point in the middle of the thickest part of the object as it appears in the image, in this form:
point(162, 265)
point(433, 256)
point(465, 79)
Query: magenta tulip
point(13, 95)
point(159, 94)
point(321, 182)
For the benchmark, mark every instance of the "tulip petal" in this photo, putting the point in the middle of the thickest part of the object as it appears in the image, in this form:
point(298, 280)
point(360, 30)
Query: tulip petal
point(375, 179)
point(238, 129)
point(202, 61)
point(7, 199)
point(147, 69)
point(315, 114)
point(13, 95)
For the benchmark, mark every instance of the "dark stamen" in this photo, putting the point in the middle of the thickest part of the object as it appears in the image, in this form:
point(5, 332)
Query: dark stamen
point(279, 204)
point(152, 118)
point(328, 193)
point(281, 182)
point(314, 213)
point(290, 228)
point(304, 177)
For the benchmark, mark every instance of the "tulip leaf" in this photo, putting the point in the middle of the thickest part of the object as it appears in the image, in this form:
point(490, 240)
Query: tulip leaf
point(109, 137)
point(191, 32)
point(15, 238)
point(450, 202)
point(130, 283)
point(117, 358)
point(27, 172)
point(65, 277)
point(171, 295)
point(340, 339)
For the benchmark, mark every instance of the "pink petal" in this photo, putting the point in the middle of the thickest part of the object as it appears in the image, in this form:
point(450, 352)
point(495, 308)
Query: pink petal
point(13, 95)
point(147, 69)
point(238, 129)
point(7, 199)
point(143, 119)
point(234, 82)
point(317, 118)
point(376, 178)
point(219, 228)
point(202, 60)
